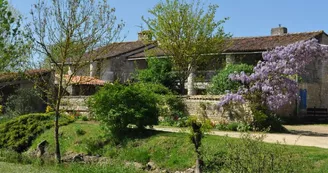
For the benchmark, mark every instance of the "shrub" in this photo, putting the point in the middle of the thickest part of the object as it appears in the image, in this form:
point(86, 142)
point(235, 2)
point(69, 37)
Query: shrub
point(159, 71)
point(234, 126)
point(251, 154)
point(18, 133)
point(221, 83)
point(24, 101)
point(117, 106)
point(80, 132)
point(265, 120)
point(49, 109)
point(171, 107)
point(84, 118)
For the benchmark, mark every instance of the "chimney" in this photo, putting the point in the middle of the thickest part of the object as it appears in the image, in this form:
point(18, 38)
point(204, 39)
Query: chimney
point(279, 31)
point(145, 35)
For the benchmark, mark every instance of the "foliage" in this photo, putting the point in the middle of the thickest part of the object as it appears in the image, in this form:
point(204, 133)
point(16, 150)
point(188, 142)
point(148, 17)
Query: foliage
point(49, 109)
point(250, 154)
point(221, 83)
point(80, 132)
point(14, 45)
point(273, 81)
point(84, 118)
point(174, 121)
point(159, 71)
point(198, 127)
point(24, 101)
point(117, 106)
point(234, 126)
point(18, 133)
point(186, 32)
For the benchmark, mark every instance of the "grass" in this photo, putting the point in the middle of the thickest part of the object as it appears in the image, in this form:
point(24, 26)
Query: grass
point(171, 151)
point(72, 168)
point(70, 138)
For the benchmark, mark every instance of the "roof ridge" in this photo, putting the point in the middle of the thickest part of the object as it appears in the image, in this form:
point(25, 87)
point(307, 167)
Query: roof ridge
point(293, 33)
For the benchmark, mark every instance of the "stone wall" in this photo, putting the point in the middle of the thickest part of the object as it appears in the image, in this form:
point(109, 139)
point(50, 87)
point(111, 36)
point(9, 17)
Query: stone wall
point(74, 103)
point(200, 105)
point(206, 105)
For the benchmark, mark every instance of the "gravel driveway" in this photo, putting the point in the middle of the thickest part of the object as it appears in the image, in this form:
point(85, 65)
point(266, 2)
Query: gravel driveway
point(305, 135)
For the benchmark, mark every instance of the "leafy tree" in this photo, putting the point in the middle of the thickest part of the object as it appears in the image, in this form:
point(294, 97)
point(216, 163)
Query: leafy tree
point(221, 83)
point(71, 33)
point(186, 32)
point(159, 71)
point(14, 46)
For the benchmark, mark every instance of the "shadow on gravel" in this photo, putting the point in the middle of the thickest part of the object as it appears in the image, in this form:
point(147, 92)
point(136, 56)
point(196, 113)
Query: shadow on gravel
point(308, 133)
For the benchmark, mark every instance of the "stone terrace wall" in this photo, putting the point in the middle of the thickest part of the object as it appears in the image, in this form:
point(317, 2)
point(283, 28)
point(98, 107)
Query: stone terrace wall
point(206, 105)
point(74, 103)
point(199, 105)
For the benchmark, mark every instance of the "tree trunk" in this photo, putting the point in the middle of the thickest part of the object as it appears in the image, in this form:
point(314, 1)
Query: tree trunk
point(191, 83)
point(197, 168)
point(57, 147)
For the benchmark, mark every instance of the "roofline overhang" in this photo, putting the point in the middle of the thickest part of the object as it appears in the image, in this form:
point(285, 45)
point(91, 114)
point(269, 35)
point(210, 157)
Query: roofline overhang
point(224, 53)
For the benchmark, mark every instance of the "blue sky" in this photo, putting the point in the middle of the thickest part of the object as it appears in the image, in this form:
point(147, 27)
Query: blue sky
point(247, 17)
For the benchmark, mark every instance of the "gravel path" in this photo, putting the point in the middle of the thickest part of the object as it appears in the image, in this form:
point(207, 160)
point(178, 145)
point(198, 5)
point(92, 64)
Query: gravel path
point(303, 135)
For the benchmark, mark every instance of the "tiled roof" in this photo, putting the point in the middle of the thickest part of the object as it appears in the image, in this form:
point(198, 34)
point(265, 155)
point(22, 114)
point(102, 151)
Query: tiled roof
point(136, 49)
point(124, 49)
point(263, 43)
point(12, 76)
point(252, 44)
point(82, 80)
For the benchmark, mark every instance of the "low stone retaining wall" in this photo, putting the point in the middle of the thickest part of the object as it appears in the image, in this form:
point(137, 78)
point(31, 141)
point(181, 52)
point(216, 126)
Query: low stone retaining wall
point(206, 105)
point(199, 105)
point(75, 103)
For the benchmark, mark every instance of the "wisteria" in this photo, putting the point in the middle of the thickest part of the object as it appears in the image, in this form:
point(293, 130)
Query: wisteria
point(275, 77)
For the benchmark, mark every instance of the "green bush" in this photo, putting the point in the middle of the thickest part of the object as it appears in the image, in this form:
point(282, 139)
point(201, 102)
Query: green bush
point(84, 118)
point(221, 83)
point(17, 134)
point(159, 71)
point(24, 101)
point(266, 121)
point(80, 132)
point(117, 106)
point(251, 154)
point(172, 110)
point(234, 126)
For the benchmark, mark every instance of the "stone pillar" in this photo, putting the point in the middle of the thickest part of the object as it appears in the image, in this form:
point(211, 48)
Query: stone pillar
point(70, 72)
point(230, 59)
point(191, 82)
point(93, 69)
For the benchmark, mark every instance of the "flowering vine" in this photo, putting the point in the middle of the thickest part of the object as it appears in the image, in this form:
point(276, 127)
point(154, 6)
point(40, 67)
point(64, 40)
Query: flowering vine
point(275, 77)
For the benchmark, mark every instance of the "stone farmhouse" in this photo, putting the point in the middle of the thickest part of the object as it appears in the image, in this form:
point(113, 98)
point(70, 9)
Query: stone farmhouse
point(126, 57)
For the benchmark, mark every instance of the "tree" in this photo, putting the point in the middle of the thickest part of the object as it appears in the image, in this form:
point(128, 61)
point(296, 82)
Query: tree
point(159, 71)
point(14, 46)
point(78, 29)
point(187, 33)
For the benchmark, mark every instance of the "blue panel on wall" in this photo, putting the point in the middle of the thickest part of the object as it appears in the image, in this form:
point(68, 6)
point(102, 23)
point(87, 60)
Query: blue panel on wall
point(303, 95)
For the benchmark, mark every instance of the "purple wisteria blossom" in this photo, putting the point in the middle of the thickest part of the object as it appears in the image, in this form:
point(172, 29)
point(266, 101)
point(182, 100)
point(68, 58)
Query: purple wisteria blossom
point(274, 77)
